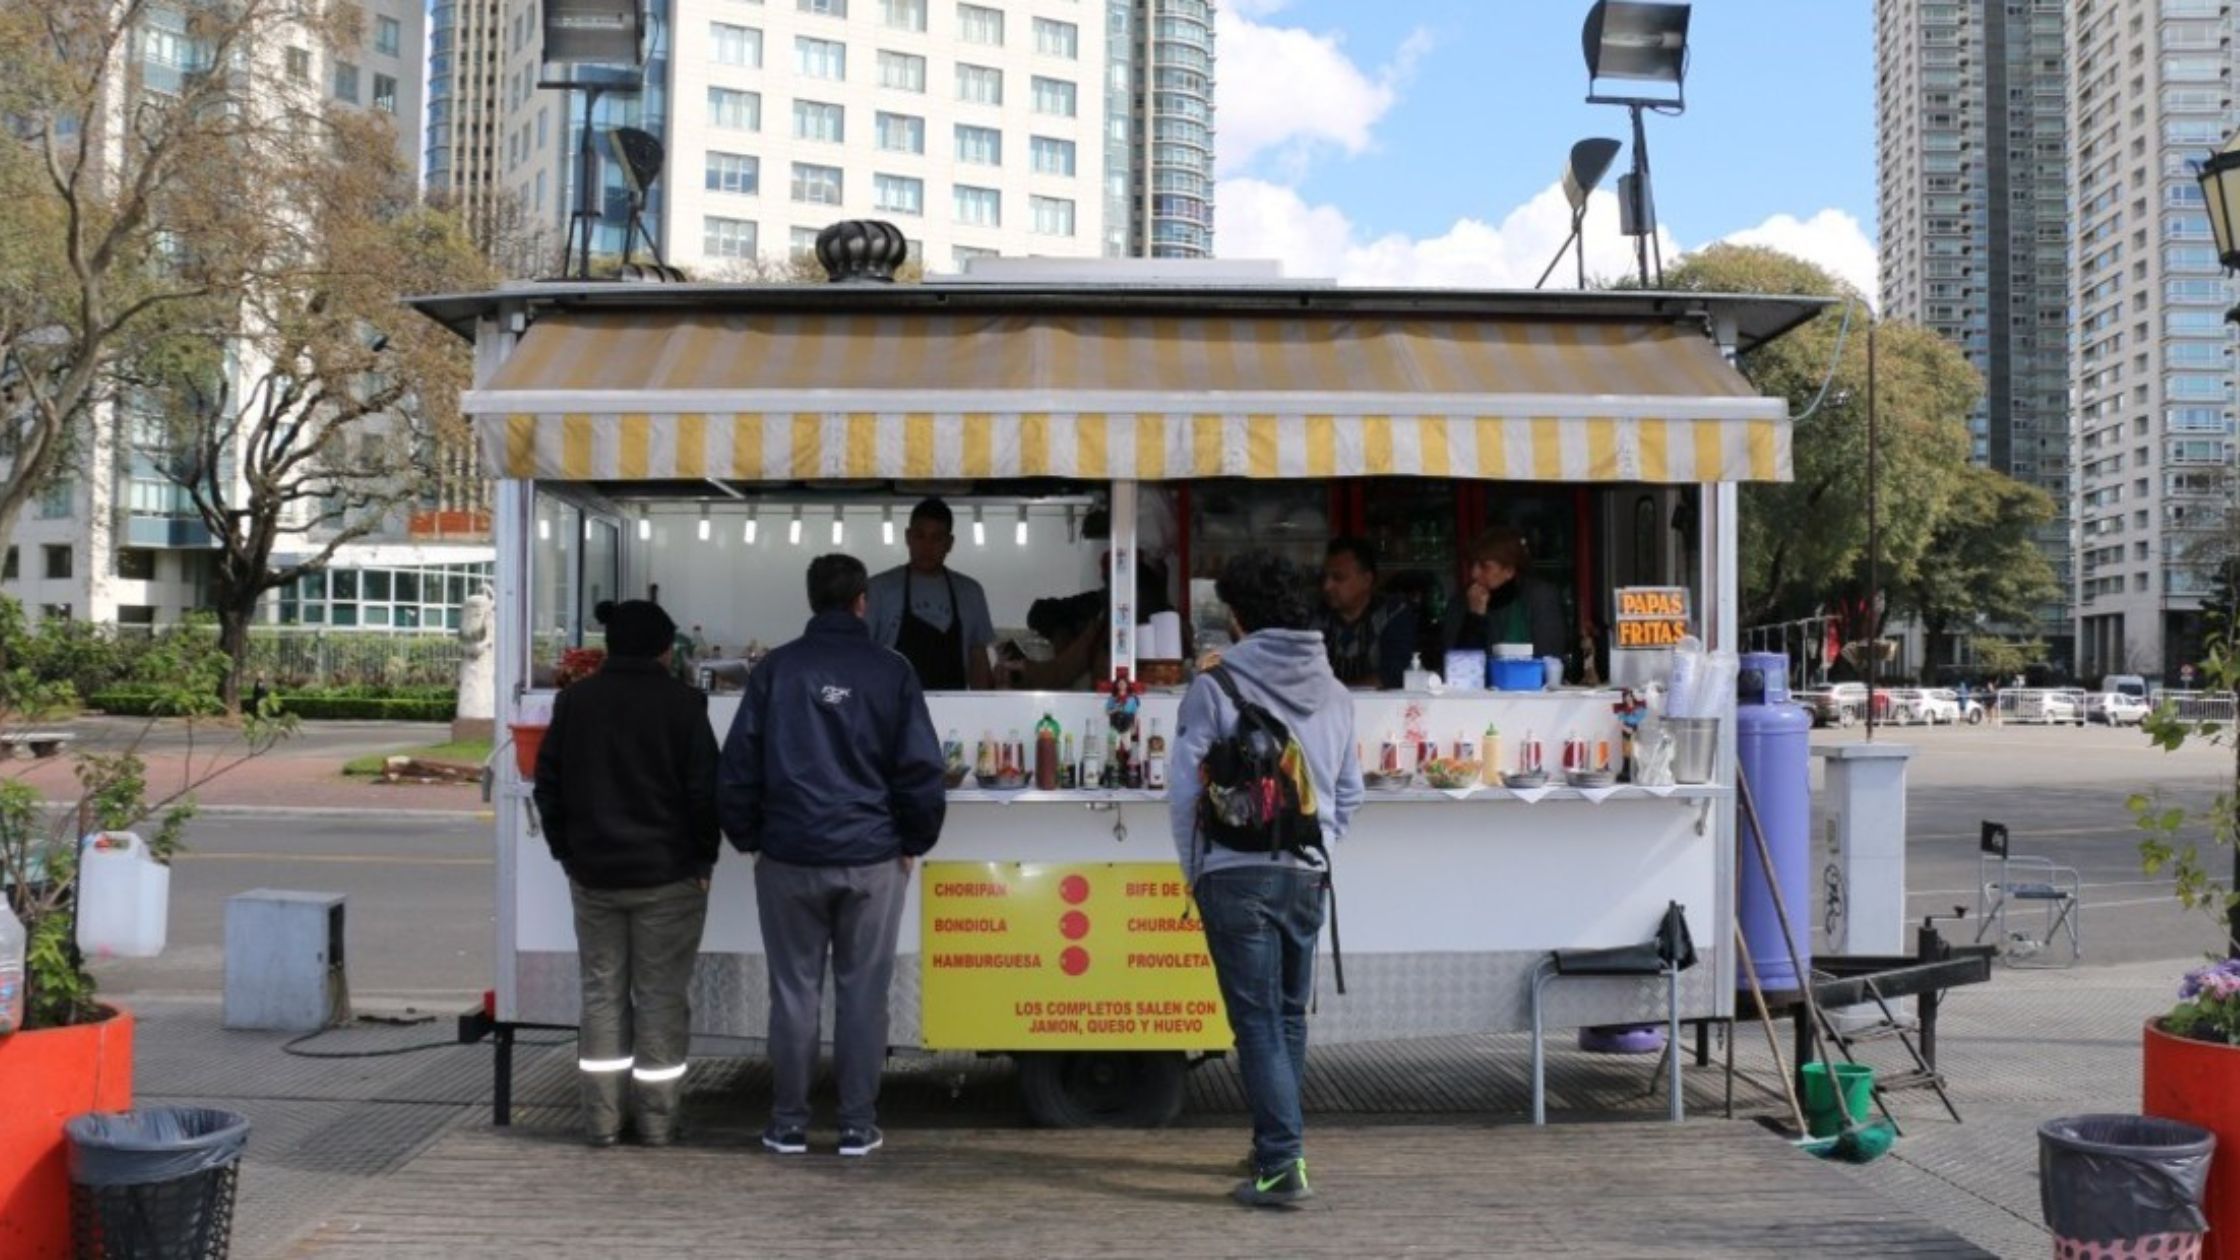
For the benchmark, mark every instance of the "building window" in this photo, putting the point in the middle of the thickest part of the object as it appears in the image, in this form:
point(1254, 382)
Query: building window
point(981, 207)
point(904, 15)
point(58, 561)
point(963, 254)
point(829, 8)
point(902, 72)
point(804, 242)
point(902, 133)
point(816, 185)
point(977, 24)
point(1055, 96)
point(1053, 216)
point(979, 85)
point(1052, 157)
point(57, 499)
point(734, 110)
point(1057, 39)
point(8, 569)
point(538, 202)
point(816, 120)
point(981, 146)
point(135, 564)
point(299, 64)
point(346, 82)
point(819, 58)
point(136, 614)
point(385, 93)
point(727, 238)
point(898, 193)
point(388, 36)
point(734, 173)
point(734, 45)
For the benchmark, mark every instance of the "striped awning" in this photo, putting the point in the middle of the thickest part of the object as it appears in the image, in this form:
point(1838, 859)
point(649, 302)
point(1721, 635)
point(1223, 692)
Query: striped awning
point(687, 395)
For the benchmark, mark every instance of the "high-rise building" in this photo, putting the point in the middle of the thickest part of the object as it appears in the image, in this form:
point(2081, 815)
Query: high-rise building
point(465, 54)
point(1972, 165)
point(2150, 369)
point(1064, 128)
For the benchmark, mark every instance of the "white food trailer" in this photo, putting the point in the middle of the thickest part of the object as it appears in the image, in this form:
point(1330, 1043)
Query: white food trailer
point(702, 442)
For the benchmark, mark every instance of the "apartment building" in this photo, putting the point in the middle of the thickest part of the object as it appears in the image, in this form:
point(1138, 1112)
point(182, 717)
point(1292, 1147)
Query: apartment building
point(1061, 128)
point(2150, 358)
point(1972, 166)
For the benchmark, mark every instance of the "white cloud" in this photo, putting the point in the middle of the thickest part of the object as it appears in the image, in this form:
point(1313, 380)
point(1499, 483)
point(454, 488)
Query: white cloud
point(1285, 92)
point(1830, 238)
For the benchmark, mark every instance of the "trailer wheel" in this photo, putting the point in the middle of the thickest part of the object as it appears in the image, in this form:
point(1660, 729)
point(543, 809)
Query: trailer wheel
point(1102, 1089)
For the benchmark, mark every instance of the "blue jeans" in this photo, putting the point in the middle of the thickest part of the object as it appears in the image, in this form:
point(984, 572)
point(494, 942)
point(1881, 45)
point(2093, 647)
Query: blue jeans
point(1261, 926)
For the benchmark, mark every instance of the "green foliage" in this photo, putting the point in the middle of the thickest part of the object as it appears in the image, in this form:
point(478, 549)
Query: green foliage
point(1982, 563)
point(359, 703)
point(2170, 837)
point(2004, 658)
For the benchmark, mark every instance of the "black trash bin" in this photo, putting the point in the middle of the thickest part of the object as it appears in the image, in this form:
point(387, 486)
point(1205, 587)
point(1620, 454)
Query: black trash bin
point(2115, 1179)
point(154, 1184)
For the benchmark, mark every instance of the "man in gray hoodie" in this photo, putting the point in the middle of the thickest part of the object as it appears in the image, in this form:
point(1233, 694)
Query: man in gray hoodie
point(1263, 912)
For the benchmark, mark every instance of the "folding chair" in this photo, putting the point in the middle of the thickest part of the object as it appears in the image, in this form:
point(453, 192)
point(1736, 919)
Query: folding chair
point(1667, 954)
point(2005, 878)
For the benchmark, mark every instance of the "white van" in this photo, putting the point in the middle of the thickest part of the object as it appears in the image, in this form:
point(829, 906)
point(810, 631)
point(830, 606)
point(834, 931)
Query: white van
point(2125, 685)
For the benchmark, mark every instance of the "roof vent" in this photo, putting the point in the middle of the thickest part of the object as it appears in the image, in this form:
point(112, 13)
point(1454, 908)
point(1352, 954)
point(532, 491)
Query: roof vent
point(861, 251)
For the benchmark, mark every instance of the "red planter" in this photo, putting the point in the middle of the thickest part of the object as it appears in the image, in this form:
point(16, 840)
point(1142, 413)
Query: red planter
point(2199, 1082)
point(46, 1077)
point(526, 741)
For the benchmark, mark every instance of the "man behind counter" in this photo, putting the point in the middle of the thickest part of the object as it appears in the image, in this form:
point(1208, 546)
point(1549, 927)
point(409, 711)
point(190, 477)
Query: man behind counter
point(1367, 636)
point(936, 617)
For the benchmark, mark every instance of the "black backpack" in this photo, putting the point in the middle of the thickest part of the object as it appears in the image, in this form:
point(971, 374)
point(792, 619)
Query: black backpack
point(1256, 795)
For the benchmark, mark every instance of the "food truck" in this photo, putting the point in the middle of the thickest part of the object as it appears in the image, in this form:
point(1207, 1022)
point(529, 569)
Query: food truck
point(1107, 445)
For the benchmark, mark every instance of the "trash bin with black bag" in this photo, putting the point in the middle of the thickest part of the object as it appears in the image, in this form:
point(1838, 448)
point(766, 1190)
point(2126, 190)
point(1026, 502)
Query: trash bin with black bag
point(156, 1183)
point(2116, 1185)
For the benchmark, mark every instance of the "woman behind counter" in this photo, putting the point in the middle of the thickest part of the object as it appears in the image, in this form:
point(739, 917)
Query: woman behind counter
point(1504, 603)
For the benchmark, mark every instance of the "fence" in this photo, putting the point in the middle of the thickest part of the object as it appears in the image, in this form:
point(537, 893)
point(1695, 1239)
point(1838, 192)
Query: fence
point(2197, 706)
point(291, 657)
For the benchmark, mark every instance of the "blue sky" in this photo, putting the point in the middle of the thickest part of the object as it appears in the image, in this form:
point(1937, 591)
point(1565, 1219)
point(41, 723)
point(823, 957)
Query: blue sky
point(1418, 140)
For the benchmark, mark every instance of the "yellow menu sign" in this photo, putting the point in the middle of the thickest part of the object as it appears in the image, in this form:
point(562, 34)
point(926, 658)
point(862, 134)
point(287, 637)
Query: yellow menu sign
point(1089, 956)
point(1650, 616)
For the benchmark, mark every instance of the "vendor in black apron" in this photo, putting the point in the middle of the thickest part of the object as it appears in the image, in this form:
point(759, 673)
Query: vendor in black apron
point(1504, 603)
point(936, 618)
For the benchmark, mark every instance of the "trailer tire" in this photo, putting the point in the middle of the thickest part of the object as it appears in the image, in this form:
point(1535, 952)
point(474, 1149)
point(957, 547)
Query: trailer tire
point(1102, 1089)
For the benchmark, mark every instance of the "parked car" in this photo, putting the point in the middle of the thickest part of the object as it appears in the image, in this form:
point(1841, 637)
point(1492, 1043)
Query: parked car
point(2053, 708)
point(1841, 704)
point(1942, 706)
point(2116, 708)
point(2125, 684)
point(1903, 706)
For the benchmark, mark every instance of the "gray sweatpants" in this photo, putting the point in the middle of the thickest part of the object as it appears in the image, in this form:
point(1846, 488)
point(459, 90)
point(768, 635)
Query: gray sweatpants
point(851, 915)
point(635, 947)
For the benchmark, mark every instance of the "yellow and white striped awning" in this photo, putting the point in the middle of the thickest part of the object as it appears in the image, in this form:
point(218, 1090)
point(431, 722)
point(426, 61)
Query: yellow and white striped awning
point(688, 395)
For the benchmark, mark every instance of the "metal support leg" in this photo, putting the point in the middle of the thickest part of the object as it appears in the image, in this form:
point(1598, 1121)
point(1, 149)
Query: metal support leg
point(1539, 1048)
point(501, 1088)
point(1672, 1038)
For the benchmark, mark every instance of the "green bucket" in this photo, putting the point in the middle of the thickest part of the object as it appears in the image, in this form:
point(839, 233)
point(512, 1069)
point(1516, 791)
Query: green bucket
point(1820, 1113)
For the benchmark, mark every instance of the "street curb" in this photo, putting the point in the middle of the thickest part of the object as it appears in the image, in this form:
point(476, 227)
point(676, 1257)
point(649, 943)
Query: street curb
point(321, 811)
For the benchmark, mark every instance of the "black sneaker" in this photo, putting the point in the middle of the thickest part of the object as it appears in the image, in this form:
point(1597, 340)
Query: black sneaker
point(856, 1142)
point(1281, 1187)
point(785, 1141)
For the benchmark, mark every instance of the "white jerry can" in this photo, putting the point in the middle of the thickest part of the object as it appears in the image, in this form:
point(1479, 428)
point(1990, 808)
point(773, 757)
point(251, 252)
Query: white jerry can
point(124, 897)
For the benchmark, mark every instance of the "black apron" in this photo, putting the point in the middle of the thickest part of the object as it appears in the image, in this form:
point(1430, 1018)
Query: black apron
point(937, 655)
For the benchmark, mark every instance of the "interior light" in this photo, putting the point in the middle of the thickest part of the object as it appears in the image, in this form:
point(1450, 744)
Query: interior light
point(886, 528)
point(544, 529)
point(979, 529)
point(1022, 531)
point(753, 520)
point(793, 531)
point(645, 527)
point(704, 526)
point(839, 530)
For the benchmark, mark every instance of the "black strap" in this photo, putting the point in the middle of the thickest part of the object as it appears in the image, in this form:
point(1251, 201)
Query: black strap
point(1337, 954)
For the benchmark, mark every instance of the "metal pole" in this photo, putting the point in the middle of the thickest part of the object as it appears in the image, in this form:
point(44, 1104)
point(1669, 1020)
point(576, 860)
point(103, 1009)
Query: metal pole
point(1874, 543)
point(1642, 199)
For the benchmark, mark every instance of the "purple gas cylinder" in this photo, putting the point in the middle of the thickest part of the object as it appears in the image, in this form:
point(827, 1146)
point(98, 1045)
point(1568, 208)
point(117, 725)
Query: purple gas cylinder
point(1773, 746)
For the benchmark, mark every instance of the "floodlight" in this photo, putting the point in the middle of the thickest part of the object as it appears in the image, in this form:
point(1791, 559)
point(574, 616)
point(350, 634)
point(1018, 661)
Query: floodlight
point(1590, 160)
point(594, 33)
point(1637, 40)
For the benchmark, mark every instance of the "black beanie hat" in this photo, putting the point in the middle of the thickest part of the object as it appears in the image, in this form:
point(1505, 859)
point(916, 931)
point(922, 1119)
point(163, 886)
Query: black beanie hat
point(637, 627)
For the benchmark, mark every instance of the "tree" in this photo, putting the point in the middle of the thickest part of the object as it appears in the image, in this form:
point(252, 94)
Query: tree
point(2005, 658)
point(1982, 563)
point(1803, 542)
point(310, 405)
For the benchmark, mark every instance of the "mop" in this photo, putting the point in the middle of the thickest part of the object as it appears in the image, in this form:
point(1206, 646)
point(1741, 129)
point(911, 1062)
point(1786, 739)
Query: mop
point(1861, 1140)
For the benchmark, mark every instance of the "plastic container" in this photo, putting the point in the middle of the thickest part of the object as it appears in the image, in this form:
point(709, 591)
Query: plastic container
point(1523, 674)
point(12, 941)
point(1551, 672)
point(1822, 1117)
point(1466, 670)
point(1511, 651)
point(124, 897)
point(2131, 1181)
point(155, 1183)
point(1773, 746)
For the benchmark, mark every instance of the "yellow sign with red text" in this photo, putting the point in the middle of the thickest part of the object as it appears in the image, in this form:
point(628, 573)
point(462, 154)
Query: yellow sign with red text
point(1085, 956)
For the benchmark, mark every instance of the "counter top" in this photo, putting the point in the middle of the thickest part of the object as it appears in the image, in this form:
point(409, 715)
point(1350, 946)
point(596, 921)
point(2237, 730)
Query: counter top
point(1416, 795)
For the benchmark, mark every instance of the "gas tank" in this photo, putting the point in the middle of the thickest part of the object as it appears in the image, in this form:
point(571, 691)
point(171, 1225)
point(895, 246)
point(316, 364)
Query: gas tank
point(1773, 747)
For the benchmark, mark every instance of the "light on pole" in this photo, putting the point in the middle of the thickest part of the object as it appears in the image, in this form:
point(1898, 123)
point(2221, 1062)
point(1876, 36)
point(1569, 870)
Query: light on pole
point(1644, 44)
point(2220, 194)
point(1590, 160)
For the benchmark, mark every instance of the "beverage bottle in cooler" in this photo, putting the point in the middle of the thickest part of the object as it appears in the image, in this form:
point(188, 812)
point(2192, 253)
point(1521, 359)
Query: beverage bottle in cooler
point(12, 945)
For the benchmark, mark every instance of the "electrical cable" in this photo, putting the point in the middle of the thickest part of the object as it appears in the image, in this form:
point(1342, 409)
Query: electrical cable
point(289, 1048)
point(1835, 359)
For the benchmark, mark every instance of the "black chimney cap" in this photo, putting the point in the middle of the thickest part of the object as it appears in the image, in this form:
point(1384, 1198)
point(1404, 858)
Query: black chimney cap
point(861, 251)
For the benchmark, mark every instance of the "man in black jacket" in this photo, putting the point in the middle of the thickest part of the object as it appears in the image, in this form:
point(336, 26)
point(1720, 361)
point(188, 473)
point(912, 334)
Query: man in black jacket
point(832, 778)
point(626, 789)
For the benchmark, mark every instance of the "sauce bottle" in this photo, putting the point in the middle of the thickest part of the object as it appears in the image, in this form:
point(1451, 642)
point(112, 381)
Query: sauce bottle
point(1155, 760)
point(1489, 769)
point(1046, 754)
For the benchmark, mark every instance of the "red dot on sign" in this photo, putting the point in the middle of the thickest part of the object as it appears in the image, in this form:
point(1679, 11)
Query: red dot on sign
point(1074, 888)
point(1074, 925)
point(1074, 961)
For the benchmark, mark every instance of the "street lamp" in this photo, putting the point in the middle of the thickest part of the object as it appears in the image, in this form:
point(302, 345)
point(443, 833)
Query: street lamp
point(2220, 194)
point(1642, 43)
point(1590, 159)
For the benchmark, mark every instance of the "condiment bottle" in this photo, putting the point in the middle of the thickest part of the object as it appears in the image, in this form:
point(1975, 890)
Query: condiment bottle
point(1069, 766)
point(1389, 759)
point(1092, 762)
point(1155, 760)
point(1490, 766)
point(1046, 754)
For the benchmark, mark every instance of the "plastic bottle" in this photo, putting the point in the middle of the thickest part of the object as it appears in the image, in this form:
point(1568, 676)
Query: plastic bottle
point(1155, 760)
point(1489, 753)
point(1046, 754)
point(12, 944)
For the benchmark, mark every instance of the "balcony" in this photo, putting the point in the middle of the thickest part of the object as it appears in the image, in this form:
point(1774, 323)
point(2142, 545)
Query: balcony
point(172, 532)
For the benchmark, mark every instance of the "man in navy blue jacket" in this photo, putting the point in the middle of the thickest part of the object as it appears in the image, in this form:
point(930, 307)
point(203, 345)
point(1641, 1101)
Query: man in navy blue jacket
point(831, 777)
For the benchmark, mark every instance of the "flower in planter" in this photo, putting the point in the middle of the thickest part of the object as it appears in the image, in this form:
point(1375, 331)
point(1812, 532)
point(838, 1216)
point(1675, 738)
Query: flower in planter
point(2209, 1005)
point(577, 664)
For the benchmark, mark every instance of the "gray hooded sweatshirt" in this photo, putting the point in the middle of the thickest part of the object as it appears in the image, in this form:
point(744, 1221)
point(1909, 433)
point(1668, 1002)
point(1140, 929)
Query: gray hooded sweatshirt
point(1287, 673)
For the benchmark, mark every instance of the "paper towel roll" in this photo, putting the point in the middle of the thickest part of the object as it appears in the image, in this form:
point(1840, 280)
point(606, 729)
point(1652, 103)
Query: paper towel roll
point(1147, 646)
point(1166, 631)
